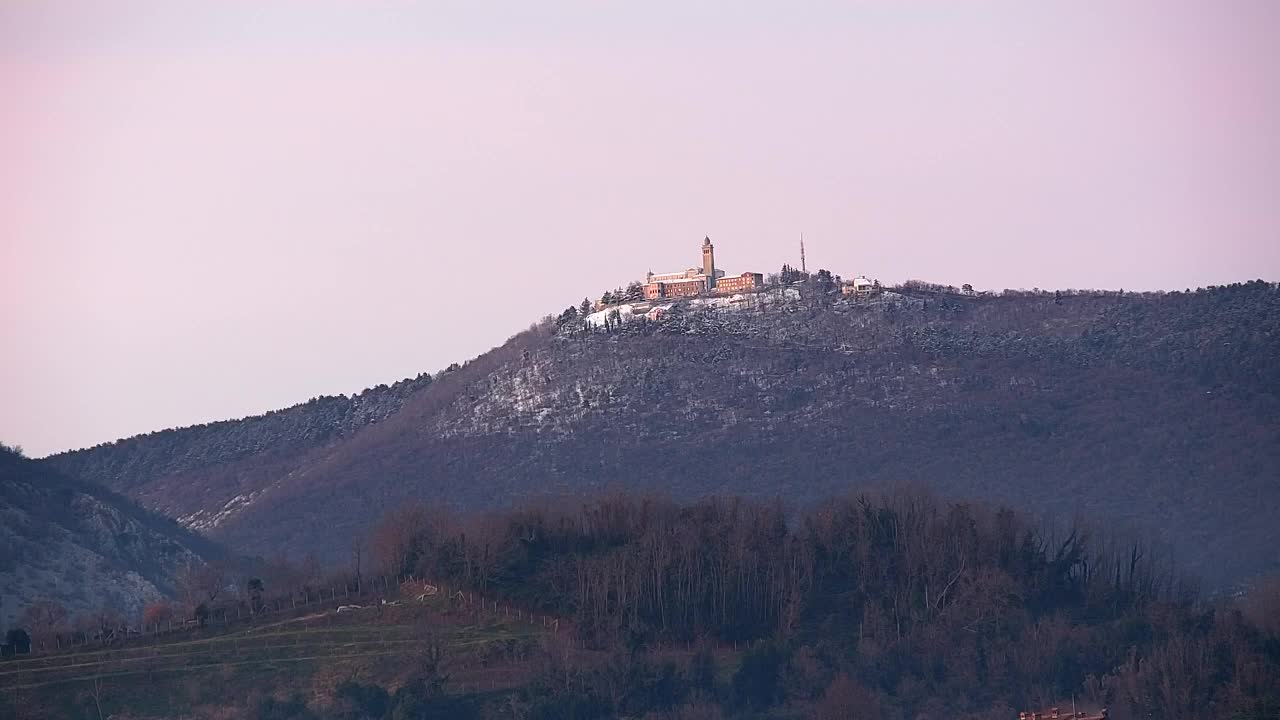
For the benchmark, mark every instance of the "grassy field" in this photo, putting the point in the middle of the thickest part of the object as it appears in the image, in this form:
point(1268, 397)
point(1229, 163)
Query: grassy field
point(483, 652)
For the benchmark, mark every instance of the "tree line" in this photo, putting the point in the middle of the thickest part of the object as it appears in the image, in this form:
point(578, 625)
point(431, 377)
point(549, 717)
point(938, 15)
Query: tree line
point(914, 604)
point(900, 605)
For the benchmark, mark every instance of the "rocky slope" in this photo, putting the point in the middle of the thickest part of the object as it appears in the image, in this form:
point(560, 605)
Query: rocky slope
point(83, 546)
point(1152, 413)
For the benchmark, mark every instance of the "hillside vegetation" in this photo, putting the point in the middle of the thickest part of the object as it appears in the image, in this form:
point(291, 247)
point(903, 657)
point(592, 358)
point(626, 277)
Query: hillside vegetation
point(1157, 413)
point(884, 607)
point(80, 548)
point(197, 473)
point(894, 606)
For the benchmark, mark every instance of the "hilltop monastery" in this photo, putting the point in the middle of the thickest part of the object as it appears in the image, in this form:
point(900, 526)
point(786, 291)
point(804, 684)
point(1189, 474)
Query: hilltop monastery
point(701, 280)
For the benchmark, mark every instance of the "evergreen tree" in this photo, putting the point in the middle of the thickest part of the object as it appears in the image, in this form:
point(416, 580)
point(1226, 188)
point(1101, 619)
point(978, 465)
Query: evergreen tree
point(19, 639)
point(569, 315)
point(824, 280)
point(789, 275)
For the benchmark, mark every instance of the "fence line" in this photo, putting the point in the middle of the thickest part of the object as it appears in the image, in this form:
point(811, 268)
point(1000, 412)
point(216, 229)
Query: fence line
point(64, 643)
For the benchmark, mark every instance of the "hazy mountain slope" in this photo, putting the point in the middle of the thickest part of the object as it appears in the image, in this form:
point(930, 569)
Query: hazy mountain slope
point(82, 545)
point(203, 473)
point(1155, 411)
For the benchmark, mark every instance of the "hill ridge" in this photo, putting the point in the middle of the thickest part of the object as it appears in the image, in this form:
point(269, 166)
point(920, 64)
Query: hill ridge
point(1113, 404)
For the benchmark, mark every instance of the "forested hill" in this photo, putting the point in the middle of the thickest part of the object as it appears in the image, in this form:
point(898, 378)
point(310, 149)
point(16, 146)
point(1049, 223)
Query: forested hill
point(1157, 412)
point(225, 456)
point(83, 547)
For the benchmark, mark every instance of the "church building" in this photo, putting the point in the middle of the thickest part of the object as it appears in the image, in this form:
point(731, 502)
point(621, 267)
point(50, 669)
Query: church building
point(705, 280)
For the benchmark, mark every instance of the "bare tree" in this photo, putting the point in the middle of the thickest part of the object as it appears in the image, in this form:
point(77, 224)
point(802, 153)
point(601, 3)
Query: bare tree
point(399, 540)
point(95, 692)
point(157, 613)
point(358, 549)
point(201, 584)
point(44, 619)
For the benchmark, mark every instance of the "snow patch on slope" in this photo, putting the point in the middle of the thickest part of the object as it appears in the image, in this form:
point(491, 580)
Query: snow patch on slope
point(204, 520)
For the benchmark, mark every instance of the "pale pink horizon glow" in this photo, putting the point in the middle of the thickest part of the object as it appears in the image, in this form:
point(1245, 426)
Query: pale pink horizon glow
point(213, 209)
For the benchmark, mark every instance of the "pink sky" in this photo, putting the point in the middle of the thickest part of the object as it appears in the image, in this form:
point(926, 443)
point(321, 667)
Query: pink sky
point(212, 209)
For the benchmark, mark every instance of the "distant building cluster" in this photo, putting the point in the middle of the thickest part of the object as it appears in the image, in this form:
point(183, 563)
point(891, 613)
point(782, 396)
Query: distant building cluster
point(860, 286)
point(708, 280)
point(705, 280)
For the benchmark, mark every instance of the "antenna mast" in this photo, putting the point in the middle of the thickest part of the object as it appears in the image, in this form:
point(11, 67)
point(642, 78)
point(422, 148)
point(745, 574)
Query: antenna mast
point(803, 269)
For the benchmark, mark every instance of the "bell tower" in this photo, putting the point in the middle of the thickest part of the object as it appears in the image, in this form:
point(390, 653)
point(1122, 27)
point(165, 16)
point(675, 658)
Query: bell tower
point(709, 262)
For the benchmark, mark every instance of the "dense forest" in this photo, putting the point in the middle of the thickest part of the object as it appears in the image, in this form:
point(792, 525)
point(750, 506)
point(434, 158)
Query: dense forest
point(895, 606)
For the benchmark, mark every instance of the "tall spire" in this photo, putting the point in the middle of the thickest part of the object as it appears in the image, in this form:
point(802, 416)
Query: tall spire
point(803, 269)
point(709, 262)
